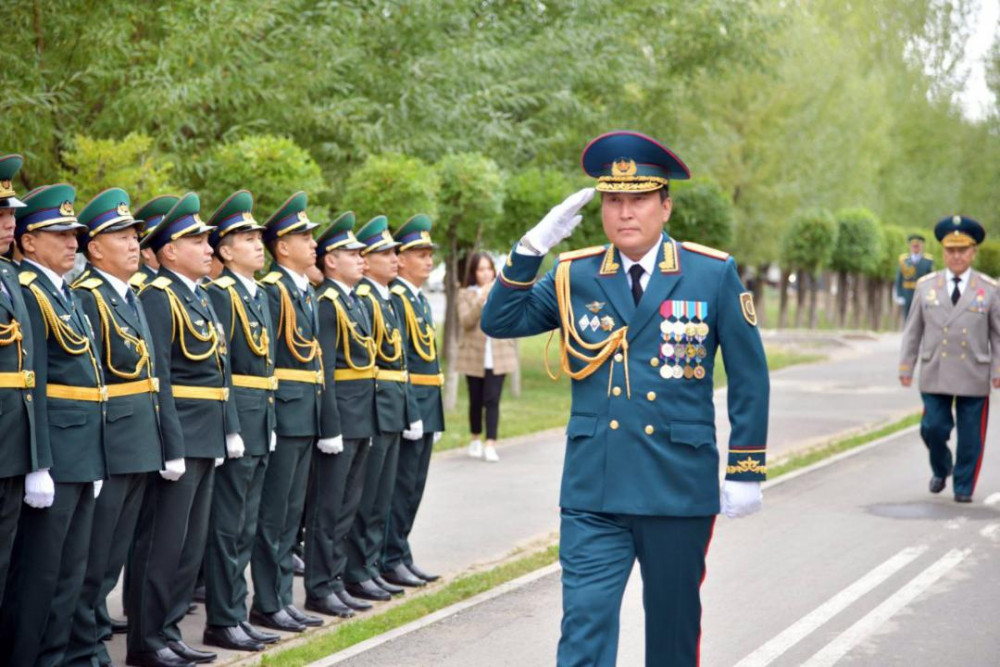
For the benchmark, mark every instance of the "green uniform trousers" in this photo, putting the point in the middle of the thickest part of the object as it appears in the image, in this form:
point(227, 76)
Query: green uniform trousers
point(231, 532)
point(366, 540)
point(336, 482)
point(47, 570)
point(281, 503)
point(116, 511)
point(169, 546)
point(11, 499)
point(411, 478)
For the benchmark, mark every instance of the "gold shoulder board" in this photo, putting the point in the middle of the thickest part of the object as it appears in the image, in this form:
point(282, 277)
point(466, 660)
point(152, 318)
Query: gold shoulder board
point(330, 294)
point(398, 289)
point(904, 255)
point(570, 255)
point(929, 256)
point(26, 277)
point(89, 283)
point(927, 277)
point(138, 279)
point(271, 279)
point(79, 279)
point(705, 250)
point(225, 282)
point(362, 290)
point(161, 282)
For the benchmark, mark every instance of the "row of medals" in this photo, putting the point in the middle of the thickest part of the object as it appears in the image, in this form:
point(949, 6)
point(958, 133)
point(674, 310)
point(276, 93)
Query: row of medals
point(683, 344)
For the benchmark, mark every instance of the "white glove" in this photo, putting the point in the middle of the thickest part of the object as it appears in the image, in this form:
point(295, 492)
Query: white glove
point(741, 499)
point(901, 300)
point(39, 489)
point(559, 222)
point(173, 470)
point(274, 442)
point(98, 485)
point(416, 430)
point(333, 445)
point(234, 446)
point(437, 437)
point(219, 461)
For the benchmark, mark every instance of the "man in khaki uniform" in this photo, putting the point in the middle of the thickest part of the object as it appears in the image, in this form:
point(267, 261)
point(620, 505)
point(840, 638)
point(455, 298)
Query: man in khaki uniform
point(954, 325)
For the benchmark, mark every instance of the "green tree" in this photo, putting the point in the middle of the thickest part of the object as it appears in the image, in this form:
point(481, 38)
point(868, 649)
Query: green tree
point(988, 258)
point(393, 185)
point(132, 163)
point(856, 254)
point(806, 247)
point(528, 196)
point(702, 212)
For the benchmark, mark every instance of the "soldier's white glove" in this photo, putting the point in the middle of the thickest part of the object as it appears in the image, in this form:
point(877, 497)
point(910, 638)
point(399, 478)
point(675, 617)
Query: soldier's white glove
point(274, 442)
point(741, 499)
point(219, 461)
point(98, 485)
point(173, 470)
point(901, 300)
point(39, 489)
point(558, 223)
point(333, 445)
point(234, 445)
point(416, 430)
point(437, 437)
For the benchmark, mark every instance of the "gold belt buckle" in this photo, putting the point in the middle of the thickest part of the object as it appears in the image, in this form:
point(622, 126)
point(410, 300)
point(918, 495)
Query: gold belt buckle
point(103, 393)
point(29, 379)
point(156, 384)
point(225, 393)
point(319, 377)
point(272, 383)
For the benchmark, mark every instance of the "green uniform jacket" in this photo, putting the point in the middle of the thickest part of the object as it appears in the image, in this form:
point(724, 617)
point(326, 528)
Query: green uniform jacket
point(132, 439)
point(68, 432)
point(427, 397)
point(18, 453)
point(192, 427)
point(908, 273)
point(355, 413)
point(239, 312)
point(299, 404)
point(396, 407)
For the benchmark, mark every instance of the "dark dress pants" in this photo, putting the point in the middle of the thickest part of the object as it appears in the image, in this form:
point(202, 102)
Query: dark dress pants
point(366, 539)
point(411, 478)
point(971, 414)
point(11, 499)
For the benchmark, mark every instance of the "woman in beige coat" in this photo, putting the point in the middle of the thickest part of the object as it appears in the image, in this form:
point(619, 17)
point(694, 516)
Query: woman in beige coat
point(484, 361)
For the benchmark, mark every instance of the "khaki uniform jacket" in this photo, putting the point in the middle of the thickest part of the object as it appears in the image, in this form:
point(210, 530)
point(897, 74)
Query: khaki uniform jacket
point(472, 340)
point(958, 345)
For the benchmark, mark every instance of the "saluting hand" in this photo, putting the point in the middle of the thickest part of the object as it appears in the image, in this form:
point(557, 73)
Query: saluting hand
point(558, 223)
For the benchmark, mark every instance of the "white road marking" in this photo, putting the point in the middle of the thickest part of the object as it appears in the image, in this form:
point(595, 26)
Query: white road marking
point(854, 635)
point(991, 531)
point(816, 618)
point(992, 499)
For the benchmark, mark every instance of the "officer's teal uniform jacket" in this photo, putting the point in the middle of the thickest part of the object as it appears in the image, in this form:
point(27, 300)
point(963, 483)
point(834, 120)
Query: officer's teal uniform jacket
point(255, 406)
point(355, 414)
point(78, 457)
point(908, 274)
point(17, 415)
point(187, 424)
point(654, 453)
point(427, 397)
point(132, 431)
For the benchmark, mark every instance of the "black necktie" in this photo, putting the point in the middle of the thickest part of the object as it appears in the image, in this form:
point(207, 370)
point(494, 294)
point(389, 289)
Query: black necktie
point(130, 300)
point(426, 307)
point(955, 294)
point(349, 299)
point(636, 273)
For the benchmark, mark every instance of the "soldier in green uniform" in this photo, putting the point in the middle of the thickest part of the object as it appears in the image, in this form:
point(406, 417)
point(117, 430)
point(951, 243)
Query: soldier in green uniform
point(249, 337)
point(416, 261)
point(50, 550)
point(18, 454)
point(110, 240)
point(395, 412)
point(913, 266)
point(301, 400)
point(198, 424)
point(336, 479)
point(150, 213)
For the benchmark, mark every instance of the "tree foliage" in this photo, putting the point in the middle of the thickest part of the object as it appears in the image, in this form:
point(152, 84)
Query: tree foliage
point(93, 165)
point(809, 240)
point(702, 212)
point(859, 241)
point(393, 185)
point(988, 258)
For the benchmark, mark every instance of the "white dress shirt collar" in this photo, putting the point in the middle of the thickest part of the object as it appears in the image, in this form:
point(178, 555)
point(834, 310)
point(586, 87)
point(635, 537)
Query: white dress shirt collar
point(648, 264)
point(117, 284)
point(410, 286)
point(301, 282)
point(342, 285)
point(963, 280)
point(56, 279)
point(383, 290)
point(248, 283)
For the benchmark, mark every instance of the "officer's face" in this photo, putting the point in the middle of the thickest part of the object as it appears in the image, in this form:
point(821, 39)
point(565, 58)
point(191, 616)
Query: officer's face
point(916, 247)
point(243, 252)
point(382, 266)
point(348, 266)
point(53, 250)
point(297, 251)
point(6, 228)
point(190, 256)
point(415, 265)
point(959, 259)
point(634, 221)
point(116, 253)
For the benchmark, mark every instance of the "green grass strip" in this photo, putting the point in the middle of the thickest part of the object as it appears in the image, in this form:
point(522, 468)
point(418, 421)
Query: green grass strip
point(353, 632)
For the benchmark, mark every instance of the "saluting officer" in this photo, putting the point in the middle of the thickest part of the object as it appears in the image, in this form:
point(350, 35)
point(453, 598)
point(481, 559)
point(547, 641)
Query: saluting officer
point(395, 412)
point(416, 261)
point(336, 479)
point(50, 550)
point(18, 453)
point(249, 337)
point(302, 398)
point(198, 424)
point(110, 240)
point(913, 266)
point(639, 320)
point(150, 213)
point(954, 327)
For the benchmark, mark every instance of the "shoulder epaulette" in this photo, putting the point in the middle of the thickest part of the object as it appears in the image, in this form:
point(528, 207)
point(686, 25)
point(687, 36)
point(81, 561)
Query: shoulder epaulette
point(160, 282)
point(904, 256)
point(329, 293)
point(927, 277)
point(271, 279)
point(363, 290)
point(398, 289)
point(4, 259)
point(225, 282)
point(705, 250)
point(570, 255)
point(989, 281)
point(26, 277)
point(137, 280)
point(88, 283)
point(929, 256)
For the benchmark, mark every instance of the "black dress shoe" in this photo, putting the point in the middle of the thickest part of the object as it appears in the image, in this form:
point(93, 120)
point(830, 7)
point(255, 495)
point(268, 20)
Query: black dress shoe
point(330, 605)
point(298, 565)
point(387, 587)
point(937, 484)
point(162, 658)
point(199, 594)
point(962, 498)
point(191, 654)
point(400, 576)
point(419, 573)
point(304, 619)
point(192, 608)
point(232, 638)
point(353, 602)
point(368, 590)
point(119, 626)
point(279, 620)
point(259, 635)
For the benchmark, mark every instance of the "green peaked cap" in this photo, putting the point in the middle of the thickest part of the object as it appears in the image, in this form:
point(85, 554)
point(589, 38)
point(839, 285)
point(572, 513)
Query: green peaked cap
point(235, 214)
point(415, 233)
point(339, 234)
point(290, 218)
point(375, 235)
point(107, 212)
point(152, 212)
point(48, 208)
point(181, 220)
point(9, 166)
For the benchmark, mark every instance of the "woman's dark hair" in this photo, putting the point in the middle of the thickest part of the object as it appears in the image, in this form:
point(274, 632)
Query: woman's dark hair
point(473, 266)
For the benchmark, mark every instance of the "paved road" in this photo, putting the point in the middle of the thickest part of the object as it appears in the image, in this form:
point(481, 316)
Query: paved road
point(854, 564)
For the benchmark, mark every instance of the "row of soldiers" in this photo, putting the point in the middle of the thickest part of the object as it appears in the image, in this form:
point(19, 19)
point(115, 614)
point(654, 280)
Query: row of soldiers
point(165, 422)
